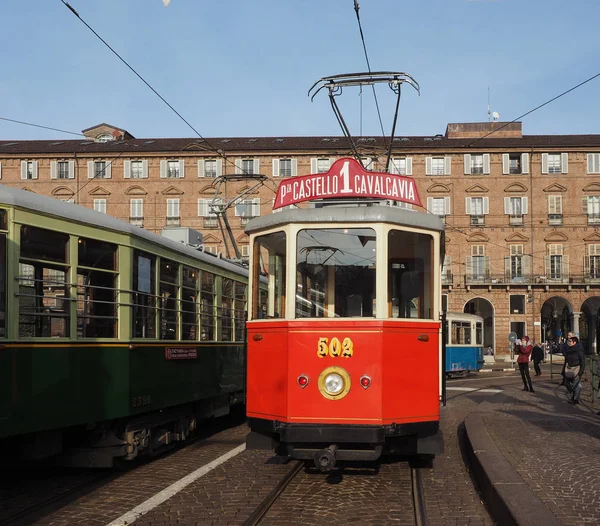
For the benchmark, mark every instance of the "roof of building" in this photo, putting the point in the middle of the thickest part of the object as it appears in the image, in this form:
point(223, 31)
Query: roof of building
point(256, 145)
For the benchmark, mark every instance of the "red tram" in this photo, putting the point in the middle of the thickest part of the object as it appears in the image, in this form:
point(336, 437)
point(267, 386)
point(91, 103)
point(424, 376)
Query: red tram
point(344, 348)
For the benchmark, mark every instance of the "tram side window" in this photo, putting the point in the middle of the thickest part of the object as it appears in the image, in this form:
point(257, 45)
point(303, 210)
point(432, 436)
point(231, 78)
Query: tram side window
point(410, 275)
point(96, 289)
point(239, 311)
point(335, 273)
point(189, 308)
point(169, 302)
point(226, 313)
point(479, 333)
point(270, 255)
point(461, 333)
point(43, 286)
point(2, 286)
point(207, 307)
point(144, 297)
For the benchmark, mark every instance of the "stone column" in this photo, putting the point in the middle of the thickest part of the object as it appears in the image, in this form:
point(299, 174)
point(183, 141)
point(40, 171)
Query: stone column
point(575, 325)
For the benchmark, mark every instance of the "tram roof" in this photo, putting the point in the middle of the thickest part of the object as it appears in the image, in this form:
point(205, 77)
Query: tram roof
point(80, 214)
point(348, 214)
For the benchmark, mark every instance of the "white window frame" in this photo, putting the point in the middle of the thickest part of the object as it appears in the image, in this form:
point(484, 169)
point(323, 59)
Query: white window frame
point(242, 207)
point(164, 168)
point(506, 163)
point(100, 205)
point(106, 173)
point(591, 208)
point(55, 172)
point(321, 165)
point(442, 203)
point(278, 170)
point(239, 165)
point(471, 164)
point(204, 171)
point(593, 163)
point(400, 166)
point(128, 172)
point(562, 168)
point(25, 165)
point(444, 168)
point(509, 208)
point(173, 211)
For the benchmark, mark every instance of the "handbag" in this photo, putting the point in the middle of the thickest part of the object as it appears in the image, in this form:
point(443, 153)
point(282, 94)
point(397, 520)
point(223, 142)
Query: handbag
point(571, 372)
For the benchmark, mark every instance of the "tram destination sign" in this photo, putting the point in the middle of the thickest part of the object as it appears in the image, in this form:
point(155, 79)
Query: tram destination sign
point(347, 178)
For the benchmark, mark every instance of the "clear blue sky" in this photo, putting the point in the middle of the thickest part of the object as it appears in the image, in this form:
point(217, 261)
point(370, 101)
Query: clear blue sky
point(243, 68)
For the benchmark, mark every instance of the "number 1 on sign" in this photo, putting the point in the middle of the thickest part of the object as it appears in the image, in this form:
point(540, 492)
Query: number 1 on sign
point(345, 173)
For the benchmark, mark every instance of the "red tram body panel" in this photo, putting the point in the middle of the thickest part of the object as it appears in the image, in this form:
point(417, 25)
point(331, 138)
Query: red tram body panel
point(390, 354)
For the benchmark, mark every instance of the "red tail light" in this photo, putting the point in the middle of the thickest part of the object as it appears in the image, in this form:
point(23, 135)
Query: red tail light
point(303, 380)
point(365, 381)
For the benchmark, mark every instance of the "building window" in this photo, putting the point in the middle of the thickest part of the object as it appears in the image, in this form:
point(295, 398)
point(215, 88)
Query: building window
point(515, 208)
point(515, 163)
point(99, 169)
point(439, 206)
point(172, 169)
point(556, 263)
point(247, 209)
point(320, 165)
point(555, 217)
point(137, 170)
point(136, 212)
point(591, 208)
point(62, 170)
point(517, 265)
point(518, 327)
point(400, 166)
point(104, 137)
point(29, 170)
point(173, 216)
point(477, 264)
point(447, 271)
point(477, 208)
point(285, 167)
point(100, 205)
point(210, 168)
point(517, 304)
point(593, 163)
point(437, 166)
point(592, 270)
point(208, 217)
point(555, 163)
point(477, 163)
point(247, 166)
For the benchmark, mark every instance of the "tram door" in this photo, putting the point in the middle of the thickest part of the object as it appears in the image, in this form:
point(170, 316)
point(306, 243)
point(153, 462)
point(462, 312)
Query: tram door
point(405, 282)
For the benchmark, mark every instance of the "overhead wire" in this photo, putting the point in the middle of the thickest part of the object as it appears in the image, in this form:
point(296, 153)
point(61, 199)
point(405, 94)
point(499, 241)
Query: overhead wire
point(362, 38)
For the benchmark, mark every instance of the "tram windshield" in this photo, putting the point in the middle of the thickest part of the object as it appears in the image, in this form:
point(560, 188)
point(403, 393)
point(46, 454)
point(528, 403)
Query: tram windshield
point(335, 274)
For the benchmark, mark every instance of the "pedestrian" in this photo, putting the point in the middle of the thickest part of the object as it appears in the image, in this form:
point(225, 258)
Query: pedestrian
point(489, 351)
point(537, 355)
point(523, 348)
point(574, 368)
point(564, 349)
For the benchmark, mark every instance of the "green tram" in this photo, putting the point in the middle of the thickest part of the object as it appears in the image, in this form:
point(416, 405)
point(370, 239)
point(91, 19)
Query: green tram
point(114, 341)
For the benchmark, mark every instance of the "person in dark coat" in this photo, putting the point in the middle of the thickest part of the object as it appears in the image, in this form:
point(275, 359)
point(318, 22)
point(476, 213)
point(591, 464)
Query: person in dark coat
point(574, 368)
point(523, 348)
point(537, 356)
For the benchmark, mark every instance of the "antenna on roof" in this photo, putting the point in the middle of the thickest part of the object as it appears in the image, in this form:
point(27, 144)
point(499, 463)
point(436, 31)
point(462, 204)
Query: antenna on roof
point(489, 104)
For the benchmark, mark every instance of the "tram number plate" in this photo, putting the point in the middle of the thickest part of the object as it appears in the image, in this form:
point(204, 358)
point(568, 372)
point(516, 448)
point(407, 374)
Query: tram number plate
point(335, 348)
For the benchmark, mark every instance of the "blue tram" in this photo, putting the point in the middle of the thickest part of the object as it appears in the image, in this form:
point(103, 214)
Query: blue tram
point(464, 343)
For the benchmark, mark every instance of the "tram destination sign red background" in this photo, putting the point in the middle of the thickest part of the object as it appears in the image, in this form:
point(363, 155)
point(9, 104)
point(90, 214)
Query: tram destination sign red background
point(347, 178)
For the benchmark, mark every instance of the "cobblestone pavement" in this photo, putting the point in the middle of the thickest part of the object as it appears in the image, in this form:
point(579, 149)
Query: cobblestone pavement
point(132, 488)
point(553, 446)
point(369, 494)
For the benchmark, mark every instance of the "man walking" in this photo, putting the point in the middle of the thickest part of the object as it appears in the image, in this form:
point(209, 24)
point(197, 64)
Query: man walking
point(537, 355)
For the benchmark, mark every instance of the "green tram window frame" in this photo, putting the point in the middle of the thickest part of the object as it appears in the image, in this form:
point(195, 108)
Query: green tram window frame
point(3, 229)
point(97, 278)
point(144, 299)
point(43, 285)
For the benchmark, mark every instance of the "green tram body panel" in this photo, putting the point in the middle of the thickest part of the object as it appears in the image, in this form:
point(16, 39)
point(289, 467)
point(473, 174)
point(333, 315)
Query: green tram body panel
point(45, 387)
point(53, 383)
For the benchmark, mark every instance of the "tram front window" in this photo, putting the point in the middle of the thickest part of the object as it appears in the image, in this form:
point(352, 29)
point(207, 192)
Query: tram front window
point(269, 254)
point(410, 275)
point(335, 274)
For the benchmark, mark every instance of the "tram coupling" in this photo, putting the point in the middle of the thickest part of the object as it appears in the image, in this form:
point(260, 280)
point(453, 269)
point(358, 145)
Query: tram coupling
point(325, 458)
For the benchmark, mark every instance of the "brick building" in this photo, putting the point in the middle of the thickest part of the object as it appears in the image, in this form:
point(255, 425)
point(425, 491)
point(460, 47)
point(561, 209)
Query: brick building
point(522, 211)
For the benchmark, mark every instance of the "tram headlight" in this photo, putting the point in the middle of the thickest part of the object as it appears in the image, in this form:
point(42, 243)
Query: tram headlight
point(334, 383)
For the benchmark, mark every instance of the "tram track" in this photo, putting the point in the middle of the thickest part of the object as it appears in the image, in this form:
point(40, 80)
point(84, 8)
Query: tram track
point(418, 497)
point(262, 509)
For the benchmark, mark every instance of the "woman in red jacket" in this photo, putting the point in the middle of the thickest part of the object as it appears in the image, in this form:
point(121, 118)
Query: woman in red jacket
point(523, 348)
